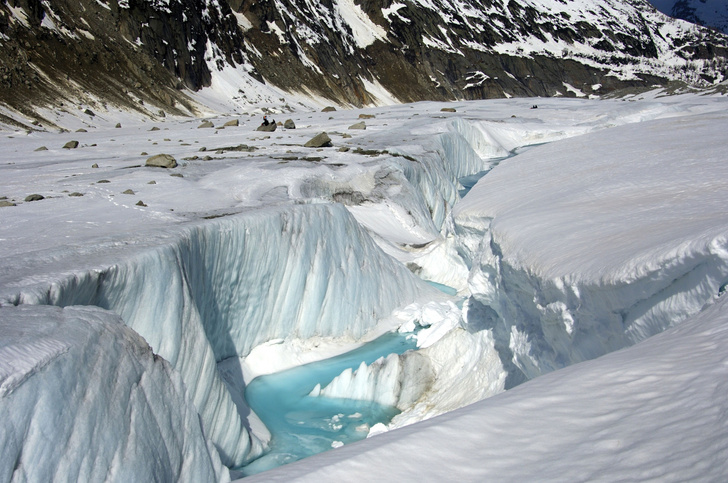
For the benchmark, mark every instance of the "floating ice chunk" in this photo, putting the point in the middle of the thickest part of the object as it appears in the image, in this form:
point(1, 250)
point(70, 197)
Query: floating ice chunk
point(378, 428)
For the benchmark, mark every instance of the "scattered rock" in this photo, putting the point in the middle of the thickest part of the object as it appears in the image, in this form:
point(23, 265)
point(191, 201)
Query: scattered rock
point(344, 149)
point(118, 125)
point(152, 182)
point(162, 114)
point(140, 203)
point(70, 145)
point(206, 124)
point(289, 124)
point(203, 149)
point(35, 197)
point(81, 130)
point(155, 128)
point(448, 109)
point(207, 158)
point(366, 116)
point(321, 140)
point(95, 165)
point(233, 123)
point(144, 153)
point(313, 159)
point(177, 175)
point(103, 181)
point(89, 112)
point(328, 109)
point(128, 192)
point(4, 203)
point(42, 148)
point(75, 194)
point(346, 136)
point(358, 125)
point(162, 161)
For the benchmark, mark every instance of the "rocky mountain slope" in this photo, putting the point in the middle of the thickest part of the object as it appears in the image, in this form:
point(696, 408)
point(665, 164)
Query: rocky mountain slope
point(149, 55)
point(709, 13)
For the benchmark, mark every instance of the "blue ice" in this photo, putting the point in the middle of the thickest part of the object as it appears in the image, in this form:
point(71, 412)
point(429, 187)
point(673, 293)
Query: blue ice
point(302, 425)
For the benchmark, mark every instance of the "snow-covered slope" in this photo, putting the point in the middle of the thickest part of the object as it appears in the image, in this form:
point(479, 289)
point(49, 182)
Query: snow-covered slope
point(83, 398)
point(710, 13)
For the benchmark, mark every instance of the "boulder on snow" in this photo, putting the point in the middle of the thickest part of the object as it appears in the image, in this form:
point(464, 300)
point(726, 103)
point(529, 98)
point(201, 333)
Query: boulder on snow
point(289, 124)
point(366, 116)
point(35, 197)
point(328, 109)
point(162, 161)
point(206, 124)
point(269, 128)
point(448, 109)
point(233, 123)
point(70, 145)
point(321, 140)
point(358, 125)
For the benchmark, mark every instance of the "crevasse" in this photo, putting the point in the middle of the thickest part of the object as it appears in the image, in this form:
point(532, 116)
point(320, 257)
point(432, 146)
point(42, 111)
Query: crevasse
point(225, 286)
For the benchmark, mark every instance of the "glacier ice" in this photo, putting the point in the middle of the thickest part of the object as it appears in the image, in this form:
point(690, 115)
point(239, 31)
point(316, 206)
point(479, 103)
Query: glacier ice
point(77, 380)
point(202, 293)
point(223, 287)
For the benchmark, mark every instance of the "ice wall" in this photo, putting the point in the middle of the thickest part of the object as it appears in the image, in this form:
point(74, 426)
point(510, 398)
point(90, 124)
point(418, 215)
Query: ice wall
point(418, 184)
point(83, 398)
point(224, 286)
point(572, 257)
point(543, 324)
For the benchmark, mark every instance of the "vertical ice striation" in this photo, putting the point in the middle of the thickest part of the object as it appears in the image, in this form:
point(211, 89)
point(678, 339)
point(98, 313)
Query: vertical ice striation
point(223, 287)
point(395, 380)
point(83, 398)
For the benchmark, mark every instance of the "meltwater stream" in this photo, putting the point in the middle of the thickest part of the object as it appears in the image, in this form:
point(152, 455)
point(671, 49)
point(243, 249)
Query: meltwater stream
point(303, 425)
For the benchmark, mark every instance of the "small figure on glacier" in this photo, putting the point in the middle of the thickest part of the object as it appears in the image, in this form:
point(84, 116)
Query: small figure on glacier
point(265, 120)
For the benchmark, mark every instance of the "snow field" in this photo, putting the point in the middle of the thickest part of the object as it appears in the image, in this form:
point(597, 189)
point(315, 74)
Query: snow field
point(304, 271)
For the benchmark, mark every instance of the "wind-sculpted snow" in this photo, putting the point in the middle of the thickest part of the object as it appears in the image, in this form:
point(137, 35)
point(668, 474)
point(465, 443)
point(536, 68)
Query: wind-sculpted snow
point(228, 285)
point(76, 380)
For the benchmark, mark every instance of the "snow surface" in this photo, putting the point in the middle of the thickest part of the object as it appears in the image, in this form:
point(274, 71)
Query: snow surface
point(601, 227)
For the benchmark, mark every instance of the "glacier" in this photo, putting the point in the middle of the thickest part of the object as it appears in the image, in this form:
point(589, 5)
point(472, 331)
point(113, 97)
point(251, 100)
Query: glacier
point(597, 225)
point(84, 398)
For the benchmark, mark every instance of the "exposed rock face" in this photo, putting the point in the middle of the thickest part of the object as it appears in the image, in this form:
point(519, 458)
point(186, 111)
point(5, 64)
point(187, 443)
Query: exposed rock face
point(122, 51)
point(710, 13)
point(141, 54)
point(469, 49)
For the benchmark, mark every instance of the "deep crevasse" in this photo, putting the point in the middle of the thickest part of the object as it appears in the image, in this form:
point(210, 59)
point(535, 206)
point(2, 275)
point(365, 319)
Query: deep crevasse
point(223, 287)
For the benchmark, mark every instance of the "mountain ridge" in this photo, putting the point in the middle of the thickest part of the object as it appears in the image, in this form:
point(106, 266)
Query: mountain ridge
point(151, 55)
